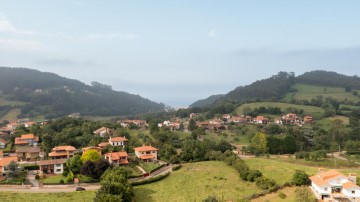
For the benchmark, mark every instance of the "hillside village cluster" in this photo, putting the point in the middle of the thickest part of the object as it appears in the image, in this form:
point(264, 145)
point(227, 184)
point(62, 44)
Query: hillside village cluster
point(330, 185)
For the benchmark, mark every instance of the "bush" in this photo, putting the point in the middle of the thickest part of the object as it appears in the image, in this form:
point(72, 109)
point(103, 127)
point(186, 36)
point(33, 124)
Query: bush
point(65, 173)
point(176, 167)
point(150, 180)
point(300, 178)
point(252, 175)
point(61, 181)
point(31, 167)
point(87, 179)
point(281, 195)
point(37, 176)
point(265, 183)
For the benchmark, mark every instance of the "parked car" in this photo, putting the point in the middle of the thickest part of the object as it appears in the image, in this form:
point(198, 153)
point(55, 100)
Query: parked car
point(80, 189)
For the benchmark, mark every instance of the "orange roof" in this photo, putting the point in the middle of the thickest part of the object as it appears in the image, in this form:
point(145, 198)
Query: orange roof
point(28, 136)
point(317, 180)
point(66, 148)
point(52, 154)
point(1, 153)
point(323, 178)
point(123, 161)
point(116, 155)
point(118, 139)
point(350, 185)
point(30, 123)
point(101, 129)
point(103, 144)
point(6, 161)
point(147, 156)
point(145, 148)
point(52, 162)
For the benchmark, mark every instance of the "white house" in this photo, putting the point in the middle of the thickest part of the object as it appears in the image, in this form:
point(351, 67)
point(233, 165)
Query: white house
point(118, 141)
point(335, 186)
point(55, 166)
point(104, 131)
point(2, 143)
point(146, 153)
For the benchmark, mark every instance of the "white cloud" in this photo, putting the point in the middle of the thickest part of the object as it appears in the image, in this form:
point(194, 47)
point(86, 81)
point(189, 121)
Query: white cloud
point(20, 45)
point(7, 26)
point(212, 33)
point(110, 36)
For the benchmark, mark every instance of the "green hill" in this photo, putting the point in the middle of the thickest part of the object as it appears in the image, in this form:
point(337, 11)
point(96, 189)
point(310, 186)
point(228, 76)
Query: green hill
point(38, 93)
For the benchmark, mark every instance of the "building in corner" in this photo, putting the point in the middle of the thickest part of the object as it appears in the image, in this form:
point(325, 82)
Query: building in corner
point(117, 158)
point(334, 186)
point(54, 166)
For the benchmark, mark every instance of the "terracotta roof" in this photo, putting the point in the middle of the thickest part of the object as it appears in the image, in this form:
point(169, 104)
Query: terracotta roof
point(6, 161)
point(52, 154)
point(145, 148)
point(323, 178)
point(123, 161)
point(116, 155)
point(103, 144)
point(27, 136)
point(1, 153)
point(28, 150)
point(2, 141)
point(66, 148)
point(147, 156)
point(318, 181)
point(350, 185)
point(51, 162)
point(118, 139)
point(98, 131)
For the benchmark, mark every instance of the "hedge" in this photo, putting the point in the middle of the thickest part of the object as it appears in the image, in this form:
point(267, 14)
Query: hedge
point(31, 167)
point(150, 180)
point(157, 168)
point(176, 167)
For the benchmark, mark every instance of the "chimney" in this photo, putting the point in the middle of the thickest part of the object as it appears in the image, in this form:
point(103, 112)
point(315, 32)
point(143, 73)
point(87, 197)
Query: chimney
point(352, 177)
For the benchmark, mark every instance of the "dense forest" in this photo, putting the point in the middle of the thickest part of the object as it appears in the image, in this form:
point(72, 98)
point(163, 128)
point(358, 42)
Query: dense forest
point(207, 101)
point(54, 96)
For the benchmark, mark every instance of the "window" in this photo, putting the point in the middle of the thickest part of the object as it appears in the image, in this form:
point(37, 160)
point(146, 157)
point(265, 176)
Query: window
point(353, 191)
point(58, 170)
point(58, 165)
point(325, 188)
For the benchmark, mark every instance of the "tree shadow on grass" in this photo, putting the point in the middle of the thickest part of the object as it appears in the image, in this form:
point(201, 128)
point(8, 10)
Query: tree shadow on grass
point(144, 195)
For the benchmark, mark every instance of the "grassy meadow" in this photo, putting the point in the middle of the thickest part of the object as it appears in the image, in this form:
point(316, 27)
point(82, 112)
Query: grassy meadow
point(195, 182)
point(83, 196)
point(308, 92)
point(316, 112)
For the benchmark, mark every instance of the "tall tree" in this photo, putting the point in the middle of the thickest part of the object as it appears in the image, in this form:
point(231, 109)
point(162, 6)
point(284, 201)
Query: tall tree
point(259, 144)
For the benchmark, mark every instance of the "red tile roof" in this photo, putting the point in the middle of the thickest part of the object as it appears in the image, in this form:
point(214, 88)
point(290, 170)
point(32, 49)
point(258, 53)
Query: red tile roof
point(147, 156)
point(66, 148)
point(118, 139)
point(116, 155)
point(6, 161)
point(52, 162)
point(103, 144)
point(145, 148)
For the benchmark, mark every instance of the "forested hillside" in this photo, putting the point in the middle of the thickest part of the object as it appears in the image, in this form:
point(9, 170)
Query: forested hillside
point(47, 94)
point(207, 101)
point(280, 86)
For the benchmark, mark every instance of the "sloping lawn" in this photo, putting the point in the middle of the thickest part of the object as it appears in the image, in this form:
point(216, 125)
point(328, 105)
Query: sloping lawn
point(279, 171)
point(54, 179)
point(149, 166)
point(195, 182)
point(83, 196)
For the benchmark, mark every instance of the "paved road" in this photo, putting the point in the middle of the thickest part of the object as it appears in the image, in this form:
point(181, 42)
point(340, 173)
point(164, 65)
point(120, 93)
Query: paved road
point(31, 177)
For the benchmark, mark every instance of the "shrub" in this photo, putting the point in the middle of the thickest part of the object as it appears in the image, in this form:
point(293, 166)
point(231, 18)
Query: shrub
point(176, 167)
point(31, 167)
point(281, 195)
point(37, 176)
point(265, 183)
point(252, 175)
point(65, 173)
point(86, 179)
point(61, 181)
point(150, 180)
point(300, 178)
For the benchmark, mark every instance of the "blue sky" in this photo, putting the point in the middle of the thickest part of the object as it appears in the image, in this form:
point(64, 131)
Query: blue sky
point(176, 52)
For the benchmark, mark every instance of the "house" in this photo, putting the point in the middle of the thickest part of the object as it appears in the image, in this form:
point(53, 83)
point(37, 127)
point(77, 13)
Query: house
point(61, 152)
point(2, 143)
point(27, 139)
point(237, 119)
point(4, 162)
point(118, 141)
point(146, 153)
point(226, 117)
point(98, 149)
point(29, 124)
point(334, 186)
point(248, 119)
point(173, 126)
point(127, 123)
point(12, 126)
point(192, 115)
point(278, 121)
point(291, 118)
point(54, 166)
point(103, 144)
point(28, 153)
point(308, 119)
point(75, 115)
point(104, 131)
point(117, 158)
point(261, 120)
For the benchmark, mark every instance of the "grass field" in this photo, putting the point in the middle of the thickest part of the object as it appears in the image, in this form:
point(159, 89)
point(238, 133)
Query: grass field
point(54, 179)
point(316, 112)
point(308, 92)
point(195, 182)
point(84, 196)
point(327, 122)
point(4, 102)
point(149, 166)
point(281, 169)
point(11, 115)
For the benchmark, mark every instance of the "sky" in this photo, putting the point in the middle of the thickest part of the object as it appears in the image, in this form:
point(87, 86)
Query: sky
point(177, 52)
